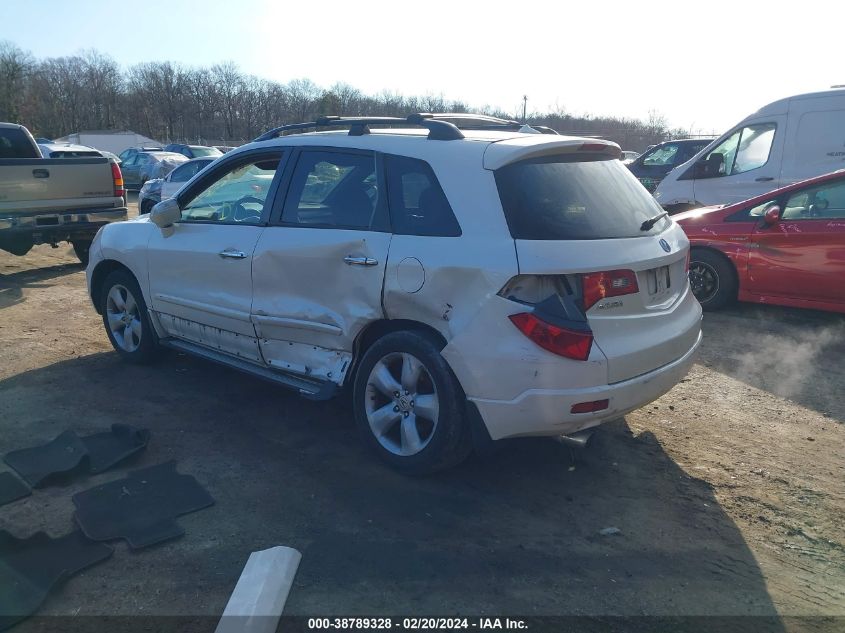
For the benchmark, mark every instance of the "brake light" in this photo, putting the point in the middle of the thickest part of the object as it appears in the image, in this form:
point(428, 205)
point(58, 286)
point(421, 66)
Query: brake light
point(117, 177)
point(610, 283)
point(604, 148)
point(590, 407)
point(557, 340)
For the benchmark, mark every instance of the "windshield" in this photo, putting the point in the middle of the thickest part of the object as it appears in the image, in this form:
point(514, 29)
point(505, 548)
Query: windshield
point(570, 198)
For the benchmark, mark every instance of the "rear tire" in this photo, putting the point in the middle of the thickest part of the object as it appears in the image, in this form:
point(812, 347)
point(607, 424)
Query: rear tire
point(147, 206)
point(127, 320)
point(408, 405)
point(712, 279)
point(82, 248)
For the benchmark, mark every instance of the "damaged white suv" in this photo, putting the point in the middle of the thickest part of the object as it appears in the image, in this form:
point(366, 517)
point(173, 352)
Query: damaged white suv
point(468, 280)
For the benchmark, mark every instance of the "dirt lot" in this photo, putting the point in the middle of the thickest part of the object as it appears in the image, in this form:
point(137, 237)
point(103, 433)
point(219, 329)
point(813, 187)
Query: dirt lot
point(729, 491)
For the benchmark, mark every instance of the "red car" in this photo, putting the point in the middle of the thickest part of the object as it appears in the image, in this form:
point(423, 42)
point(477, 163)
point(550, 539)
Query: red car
point(786, 247)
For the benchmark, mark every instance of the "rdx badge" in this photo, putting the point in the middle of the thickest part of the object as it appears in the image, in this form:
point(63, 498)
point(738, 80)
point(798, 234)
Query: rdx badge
point(609, 305)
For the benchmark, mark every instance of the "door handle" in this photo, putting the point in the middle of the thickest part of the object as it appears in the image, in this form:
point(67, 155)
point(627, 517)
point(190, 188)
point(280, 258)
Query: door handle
point(763, 179)
point(40, 173)
point(360, 261)
point(232, 254)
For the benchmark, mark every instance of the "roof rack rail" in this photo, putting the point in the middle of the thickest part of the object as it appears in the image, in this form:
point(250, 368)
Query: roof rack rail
point(437, 130)
point(469, 121)
point(444, 126)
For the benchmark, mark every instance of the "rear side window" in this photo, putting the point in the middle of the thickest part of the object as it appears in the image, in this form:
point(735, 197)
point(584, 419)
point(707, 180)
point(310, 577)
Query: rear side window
point(570, 197)
point(418, 205)
point(14, 143)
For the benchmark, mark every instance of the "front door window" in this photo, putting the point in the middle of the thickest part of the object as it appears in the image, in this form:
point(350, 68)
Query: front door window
point(746, 149)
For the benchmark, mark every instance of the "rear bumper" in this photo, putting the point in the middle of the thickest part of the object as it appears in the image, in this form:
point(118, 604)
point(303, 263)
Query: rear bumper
point(46, 220)
point(547, 411)
point(40, 227)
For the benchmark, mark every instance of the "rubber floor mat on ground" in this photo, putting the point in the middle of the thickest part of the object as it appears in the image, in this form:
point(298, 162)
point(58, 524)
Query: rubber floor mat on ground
point(12, 489)
point(30, 567)
point(59, 457)
point(142, 508)
point(109, 448)
point(69, 453)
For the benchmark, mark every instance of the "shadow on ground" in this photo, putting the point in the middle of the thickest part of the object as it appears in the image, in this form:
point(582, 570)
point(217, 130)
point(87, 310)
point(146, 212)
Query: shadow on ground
point(13, 284)
point(792, 353)
point(518, 533)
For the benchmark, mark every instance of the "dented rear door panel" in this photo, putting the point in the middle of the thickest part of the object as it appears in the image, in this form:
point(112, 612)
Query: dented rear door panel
point(309, 304)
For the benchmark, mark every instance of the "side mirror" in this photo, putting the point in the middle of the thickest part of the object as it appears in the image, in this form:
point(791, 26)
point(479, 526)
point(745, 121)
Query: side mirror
point(772, 215)
point(165, 213)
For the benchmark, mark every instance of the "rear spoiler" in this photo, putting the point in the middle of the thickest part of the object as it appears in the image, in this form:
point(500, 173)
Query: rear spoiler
point(513, 150)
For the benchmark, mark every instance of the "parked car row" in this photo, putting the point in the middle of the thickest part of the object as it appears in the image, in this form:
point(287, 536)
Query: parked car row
point(781, 237)
point(784, 142)
point(157, 189)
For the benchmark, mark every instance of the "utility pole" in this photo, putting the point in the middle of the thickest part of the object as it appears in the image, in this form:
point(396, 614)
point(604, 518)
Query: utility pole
point(524, 108)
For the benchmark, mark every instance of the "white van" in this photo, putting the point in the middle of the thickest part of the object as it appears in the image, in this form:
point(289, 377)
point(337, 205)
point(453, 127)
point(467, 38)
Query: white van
point(784, 142)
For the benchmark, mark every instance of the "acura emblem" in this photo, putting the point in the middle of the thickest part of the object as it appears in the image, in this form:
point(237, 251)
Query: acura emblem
point(665, 245)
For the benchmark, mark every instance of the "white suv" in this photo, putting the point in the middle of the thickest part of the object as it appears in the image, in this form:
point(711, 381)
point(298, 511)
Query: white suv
point(468, 283)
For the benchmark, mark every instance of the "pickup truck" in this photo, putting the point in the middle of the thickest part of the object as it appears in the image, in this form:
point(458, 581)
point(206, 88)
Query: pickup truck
point(52, 200)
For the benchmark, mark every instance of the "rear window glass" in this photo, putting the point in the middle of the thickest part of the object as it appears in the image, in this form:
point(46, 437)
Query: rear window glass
point(14, 143)
point(574, 198)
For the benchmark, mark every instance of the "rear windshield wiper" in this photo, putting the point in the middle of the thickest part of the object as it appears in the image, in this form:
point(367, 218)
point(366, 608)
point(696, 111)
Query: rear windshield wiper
point(648, 224)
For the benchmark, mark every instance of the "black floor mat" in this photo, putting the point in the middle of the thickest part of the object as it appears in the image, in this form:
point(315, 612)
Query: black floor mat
point(142, 508)
point(30, 567)
point(111, 447)
point(69, 453)
point(60, 457)
point(12, 489)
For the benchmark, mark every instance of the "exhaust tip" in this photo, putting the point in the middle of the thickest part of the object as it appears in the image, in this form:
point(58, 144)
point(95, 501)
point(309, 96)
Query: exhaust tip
point(577, 440)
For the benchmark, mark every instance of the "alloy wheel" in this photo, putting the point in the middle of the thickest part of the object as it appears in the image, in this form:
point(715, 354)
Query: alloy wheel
point(123, 318)
point(704, 281)
point(401, 404)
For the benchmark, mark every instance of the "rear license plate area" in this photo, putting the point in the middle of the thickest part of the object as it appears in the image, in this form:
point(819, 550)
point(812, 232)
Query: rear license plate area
point(658, 281)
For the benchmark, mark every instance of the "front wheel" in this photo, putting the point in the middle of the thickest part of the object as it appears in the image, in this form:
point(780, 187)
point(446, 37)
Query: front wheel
point(409, 406)
point(126, 318)
point(712, 279)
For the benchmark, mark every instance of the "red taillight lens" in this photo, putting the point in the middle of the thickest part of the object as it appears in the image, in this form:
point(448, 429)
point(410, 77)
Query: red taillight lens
point(117, 177)
point(590, 407)
point(569, 343)
point(610, 283)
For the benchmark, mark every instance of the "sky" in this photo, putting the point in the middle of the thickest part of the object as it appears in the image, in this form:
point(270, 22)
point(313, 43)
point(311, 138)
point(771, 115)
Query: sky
point(702, 65)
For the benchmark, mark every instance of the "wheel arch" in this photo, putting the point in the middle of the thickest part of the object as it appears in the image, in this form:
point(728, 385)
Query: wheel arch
point(98, 277)
point(375, 330)
point(723, 256)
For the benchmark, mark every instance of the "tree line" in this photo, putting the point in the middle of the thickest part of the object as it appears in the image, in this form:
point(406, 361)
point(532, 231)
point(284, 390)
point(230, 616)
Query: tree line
point(221, 105)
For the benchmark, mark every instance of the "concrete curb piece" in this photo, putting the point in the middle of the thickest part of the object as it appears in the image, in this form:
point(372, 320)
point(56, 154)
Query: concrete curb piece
point(259, 597)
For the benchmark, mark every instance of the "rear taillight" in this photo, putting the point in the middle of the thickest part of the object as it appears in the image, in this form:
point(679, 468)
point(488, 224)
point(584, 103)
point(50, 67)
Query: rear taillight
point(610, 283)
point(561, 341)
point(117, 177)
